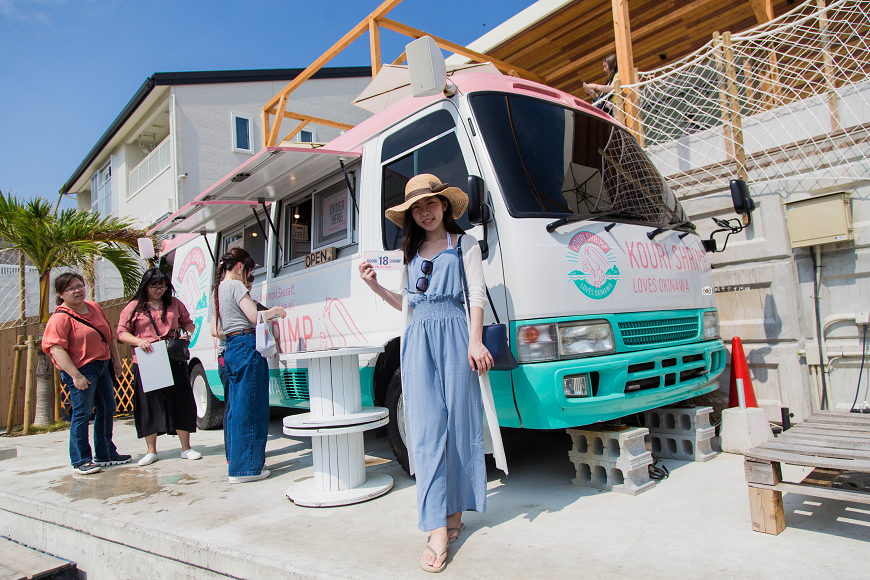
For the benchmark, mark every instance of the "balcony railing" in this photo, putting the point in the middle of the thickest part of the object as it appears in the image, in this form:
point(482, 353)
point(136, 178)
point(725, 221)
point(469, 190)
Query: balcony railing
point(147, 171)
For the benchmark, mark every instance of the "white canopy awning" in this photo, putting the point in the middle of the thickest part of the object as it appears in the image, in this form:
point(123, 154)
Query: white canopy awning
point(269, 175)
point(393, 83)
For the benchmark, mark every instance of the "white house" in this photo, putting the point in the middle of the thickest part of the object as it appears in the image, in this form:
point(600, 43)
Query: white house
point(183, 131)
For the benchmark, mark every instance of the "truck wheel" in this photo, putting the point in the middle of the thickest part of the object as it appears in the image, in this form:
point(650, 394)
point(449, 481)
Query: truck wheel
point(209, 409)
point(396, 429)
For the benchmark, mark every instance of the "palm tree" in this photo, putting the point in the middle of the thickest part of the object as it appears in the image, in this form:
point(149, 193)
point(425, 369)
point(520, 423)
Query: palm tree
point(69, 239)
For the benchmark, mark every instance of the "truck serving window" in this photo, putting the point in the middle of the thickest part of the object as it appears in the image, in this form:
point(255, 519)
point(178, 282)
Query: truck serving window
point(555, 161)
point(403, 157)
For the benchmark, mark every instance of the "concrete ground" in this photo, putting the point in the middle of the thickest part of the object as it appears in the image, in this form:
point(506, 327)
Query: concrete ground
point(181, 519)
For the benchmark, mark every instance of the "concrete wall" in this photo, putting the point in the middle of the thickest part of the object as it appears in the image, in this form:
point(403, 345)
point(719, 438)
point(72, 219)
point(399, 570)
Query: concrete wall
point(204, 117)
point(772, 307)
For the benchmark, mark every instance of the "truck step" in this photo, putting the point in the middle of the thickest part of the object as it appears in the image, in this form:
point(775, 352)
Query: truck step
point(611, 460)
point(681, 433)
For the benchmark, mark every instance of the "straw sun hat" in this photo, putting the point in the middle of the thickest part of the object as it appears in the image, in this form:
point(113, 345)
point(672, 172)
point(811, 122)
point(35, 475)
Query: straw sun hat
point(423, 186)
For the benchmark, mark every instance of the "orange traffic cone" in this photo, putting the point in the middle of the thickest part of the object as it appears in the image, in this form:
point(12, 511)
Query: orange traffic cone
point(740, 370)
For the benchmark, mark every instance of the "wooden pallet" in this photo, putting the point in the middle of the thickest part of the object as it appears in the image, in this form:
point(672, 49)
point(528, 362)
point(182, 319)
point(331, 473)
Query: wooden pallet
point(18, 562)
point(828, 441)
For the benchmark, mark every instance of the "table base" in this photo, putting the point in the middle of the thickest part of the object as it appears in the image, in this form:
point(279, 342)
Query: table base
point(304, 494)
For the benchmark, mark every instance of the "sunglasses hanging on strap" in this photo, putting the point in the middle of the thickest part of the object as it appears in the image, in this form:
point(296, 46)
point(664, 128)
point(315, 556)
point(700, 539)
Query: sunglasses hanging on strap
point(177, 348)
point(494, 335)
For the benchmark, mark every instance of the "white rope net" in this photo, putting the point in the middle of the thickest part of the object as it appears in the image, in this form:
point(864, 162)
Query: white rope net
point(787, 99)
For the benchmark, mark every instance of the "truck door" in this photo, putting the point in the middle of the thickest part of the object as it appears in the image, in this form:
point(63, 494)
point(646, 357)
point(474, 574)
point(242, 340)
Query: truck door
point(435, 141)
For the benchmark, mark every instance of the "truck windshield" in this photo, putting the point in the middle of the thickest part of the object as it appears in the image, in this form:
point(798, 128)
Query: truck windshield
point(553, 161)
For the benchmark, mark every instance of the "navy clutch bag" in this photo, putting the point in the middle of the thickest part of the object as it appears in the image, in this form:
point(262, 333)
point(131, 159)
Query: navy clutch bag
point(495, 337)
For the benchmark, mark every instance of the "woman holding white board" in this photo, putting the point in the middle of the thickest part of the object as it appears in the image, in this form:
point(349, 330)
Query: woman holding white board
point(155, 314)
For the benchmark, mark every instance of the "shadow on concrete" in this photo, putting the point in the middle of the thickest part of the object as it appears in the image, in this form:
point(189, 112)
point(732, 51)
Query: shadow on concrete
point(827, 516)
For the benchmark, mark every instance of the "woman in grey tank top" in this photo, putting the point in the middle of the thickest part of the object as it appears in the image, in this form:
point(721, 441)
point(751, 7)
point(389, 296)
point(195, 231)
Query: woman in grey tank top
point(246, 422)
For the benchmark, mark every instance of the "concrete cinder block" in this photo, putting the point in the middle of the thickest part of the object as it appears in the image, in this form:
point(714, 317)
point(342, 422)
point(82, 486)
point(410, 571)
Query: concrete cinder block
point(611, 460)
point(678, 433)
point(743, 429)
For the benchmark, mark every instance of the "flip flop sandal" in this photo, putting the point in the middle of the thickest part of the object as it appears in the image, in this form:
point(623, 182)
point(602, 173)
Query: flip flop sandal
point(427, 568)
point(457, 530)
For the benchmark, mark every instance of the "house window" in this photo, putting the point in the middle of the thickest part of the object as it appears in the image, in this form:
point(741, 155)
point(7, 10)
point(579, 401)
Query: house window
point(101, 191)
point(306, 136)
point(242, 133)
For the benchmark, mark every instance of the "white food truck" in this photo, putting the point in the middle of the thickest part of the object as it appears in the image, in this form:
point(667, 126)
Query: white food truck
point(588, 255)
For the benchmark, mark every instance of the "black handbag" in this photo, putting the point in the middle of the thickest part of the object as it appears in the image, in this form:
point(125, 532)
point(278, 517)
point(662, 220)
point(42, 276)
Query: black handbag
point(115, 380)
point(177, 348)
point(495, 337)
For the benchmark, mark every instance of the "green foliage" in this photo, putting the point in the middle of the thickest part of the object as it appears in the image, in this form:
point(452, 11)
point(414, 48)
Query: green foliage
point(71, 238)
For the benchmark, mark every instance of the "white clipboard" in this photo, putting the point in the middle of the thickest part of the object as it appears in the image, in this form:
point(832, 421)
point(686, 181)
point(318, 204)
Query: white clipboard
point(154, 369)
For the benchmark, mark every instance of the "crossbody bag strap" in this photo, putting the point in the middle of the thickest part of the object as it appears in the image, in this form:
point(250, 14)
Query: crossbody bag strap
point(465, 281)
point(86, 323)
point(157, 332)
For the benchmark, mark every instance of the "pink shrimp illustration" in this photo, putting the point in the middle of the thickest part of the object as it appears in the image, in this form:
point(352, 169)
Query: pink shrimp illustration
point(338, 325)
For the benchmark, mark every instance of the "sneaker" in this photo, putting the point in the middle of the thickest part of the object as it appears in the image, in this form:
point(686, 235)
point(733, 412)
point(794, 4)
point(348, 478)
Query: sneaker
point(246, 478)
point(86, 468)
point(191, 454)
point(116, 460)
point(148, 459)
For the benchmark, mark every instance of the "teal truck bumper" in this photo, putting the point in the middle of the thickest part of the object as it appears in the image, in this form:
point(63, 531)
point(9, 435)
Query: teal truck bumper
point(622, 384)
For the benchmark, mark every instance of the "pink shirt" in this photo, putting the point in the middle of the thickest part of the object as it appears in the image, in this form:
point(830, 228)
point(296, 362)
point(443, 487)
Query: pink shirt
point(82, 343)
point(140, 325)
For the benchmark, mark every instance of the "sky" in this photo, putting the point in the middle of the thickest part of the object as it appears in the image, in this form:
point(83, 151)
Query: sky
point(68, 67)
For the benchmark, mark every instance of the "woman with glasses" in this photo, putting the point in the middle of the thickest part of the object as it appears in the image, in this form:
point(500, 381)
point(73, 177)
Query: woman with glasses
point(443, 360)
point(155, 314)
point(77, 337)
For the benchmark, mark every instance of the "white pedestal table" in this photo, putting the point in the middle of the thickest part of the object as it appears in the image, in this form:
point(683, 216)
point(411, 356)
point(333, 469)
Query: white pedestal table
point(336, 425)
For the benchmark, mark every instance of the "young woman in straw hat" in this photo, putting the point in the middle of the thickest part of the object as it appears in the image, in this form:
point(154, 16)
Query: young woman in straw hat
point(443, 357)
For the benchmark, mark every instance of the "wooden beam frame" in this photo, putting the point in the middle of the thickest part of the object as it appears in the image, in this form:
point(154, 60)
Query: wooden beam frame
point(763, 10)
point(625, 61)
point(459, 49)
point(277, 105)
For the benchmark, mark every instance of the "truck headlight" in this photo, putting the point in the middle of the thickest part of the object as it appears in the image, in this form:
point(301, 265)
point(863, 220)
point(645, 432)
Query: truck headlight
point(536, 342)
point(585, 338)
point(711, 325)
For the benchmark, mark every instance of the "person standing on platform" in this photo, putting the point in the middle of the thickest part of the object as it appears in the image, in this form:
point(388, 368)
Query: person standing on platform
point(246, 416)
point(76, 338)
point(443, 360)
point(155, 314)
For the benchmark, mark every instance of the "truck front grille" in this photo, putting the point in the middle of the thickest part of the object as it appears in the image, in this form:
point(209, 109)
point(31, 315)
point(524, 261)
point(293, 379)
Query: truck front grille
point(661, 331)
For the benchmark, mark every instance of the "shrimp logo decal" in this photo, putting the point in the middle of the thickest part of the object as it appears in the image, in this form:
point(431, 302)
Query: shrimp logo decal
point(598, 274)
point(190, 288)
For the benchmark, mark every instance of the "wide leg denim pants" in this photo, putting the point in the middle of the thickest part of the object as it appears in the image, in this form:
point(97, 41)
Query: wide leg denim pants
point(246, 418)
point(98, 397)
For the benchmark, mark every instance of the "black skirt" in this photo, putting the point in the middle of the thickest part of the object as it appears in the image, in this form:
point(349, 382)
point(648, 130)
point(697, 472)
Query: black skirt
point(164, 411)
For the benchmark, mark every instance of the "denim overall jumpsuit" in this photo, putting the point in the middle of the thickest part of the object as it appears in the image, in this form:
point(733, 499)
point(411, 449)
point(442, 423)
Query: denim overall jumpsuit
point(444, 406)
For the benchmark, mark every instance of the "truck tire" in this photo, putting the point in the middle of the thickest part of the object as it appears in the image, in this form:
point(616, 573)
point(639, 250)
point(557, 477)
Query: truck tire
point(396, 433)
point(209, 409)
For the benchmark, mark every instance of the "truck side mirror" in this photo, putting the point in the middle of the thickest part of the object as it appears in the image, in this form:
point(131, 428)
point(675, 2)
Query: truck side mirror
point(743, 204)
point(478, 211)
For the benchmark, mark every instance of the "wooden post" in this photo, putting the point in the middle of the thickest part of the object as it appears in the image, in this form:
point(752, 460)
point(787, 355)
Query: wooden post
point(638, 121)
point(763, 10)
point(375, 45)
point(625, 58)
point(29, 383)
point(765, 505)
point(16, 377)
point(828, 61)
point(734, 108)
point(618, 101)
point(22, 290)
point(723, 96)
point(57, 396)
point(747, 80)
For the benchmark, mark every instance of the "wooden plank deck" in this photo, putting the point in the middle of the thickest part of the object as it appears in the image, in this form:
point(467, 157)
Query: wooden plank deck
point(828, 441)
point(19, 562)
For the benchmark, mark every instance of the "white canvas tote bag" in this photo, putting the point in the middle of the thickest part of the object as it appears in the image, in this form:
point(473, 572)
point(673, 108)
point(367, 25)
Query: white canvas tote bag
point(265, 341)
